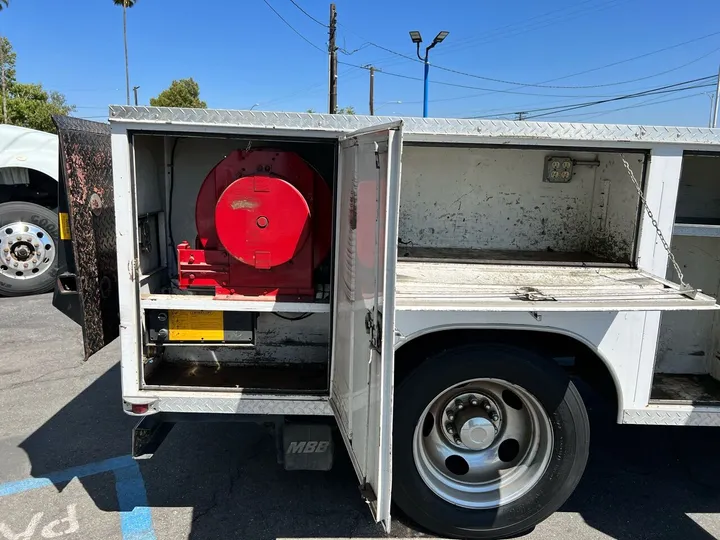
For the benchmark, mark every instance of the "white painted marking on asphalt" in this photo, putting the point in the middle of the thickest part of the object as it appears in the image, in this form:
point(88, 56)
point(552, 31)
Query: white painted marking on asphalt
point(48, 531)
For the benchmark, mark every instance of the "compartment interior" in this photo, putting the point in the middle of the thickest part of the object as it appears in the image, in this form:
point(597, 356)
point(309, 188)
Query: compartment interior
point(458, 204)
point(689, 343)
point(289, 351)
point(496, 205)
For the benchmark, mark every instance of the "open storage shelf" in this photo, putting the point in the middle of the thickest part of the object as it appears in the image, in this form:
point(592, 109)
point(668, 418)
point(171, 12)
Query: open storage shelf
point(688, 226)
point(695, 389)
point(229, 303)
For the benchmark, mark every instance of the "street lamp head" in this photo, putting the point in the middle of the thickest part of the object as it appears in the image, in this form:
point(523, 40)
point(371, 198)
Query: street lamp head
point(415, 36)
point(440, 37)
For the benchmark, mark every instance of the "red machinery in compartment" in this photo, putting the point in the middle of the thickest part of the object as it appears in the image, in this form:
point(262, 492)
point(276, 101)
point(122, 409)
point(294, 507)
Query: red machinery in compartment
point(264, 221)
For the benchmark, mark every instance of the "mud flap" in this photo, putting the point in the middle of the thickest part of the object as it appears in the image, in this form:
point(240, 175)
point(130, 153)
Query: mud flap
point(86, 289)
point(307, 447)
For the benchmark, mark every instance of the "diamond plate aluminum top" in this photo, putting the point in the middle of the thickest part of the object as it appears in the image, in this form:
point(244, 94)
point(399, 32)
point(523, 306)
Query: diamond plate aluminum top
point(439, 129)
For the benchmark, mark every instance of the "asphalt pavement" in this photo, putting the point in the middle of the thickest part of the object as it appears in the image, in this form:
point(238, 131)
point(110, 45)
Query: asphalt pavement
point(65, 471)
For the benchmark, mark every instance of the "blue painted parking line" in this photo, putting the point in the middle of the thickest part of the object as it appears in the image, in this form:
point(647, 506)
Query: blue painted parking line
point(135, 517)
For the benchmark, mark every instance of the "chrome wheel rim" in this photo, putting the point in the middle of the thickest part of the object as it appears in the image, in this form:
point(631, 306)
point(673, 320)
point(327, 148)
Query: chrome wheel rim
point(26, 251)
point(483, 443)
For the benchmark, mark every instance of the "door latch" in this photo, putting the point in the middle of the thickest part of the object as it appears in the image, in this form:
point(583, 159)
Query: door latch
point(373, 326)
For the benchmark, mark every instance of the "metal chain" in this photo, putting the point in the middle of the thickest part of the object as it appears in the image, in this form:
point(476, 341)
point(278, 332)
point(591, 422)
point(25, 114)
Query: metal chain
point(654, 222)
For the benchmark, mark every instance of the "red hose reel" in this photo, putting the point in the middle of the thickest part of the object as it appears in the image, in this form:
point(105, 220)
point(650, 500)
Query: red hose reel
point(264, 220)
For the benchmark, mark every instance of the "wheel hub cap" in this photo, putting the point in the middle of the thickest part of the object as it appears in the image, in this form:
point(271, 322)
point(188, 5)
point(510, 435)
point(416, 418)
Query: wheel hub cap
point(26, 251)
point(477, 433)
point(482, 443)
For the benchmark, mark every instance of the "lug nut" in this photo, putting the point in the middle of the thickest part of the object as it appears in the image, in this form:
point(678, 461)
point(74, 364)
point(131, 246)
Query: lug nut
point(457, 440)
point(450, 429)
point(474, 402)
point(15, 265)
point(25, 265)
point(6, 250)
point(460, 405)
point(494, 417)
point(451, 416)
point(486, 405)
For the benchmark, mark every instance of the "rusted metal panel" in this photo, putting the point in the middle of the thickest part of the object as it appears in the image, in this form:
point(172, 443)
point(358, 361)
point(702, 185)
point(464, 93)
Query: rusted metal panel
point(86, 174)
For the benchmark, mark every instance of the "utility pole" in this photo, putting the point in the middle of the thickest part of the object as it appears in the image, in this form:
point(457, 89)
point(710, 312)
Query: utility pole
point(135, 89)
point(716, 105)
point(372, 70)
point(521, 116)
point(332, 52)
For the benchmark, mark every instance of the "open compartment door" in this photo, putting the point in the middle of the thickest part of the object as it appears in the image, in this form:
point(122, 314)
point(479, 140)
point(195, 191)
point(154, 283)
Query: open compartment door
point(364, 305)
point(86, 289)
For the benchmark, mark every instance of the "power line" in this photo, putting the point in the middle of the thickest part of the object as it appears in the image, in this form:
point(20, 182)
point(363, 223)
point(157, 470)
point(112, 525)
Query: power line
point(308, 15)
point(544, 85)
point(652, 91)
point(484, 39)
point(547, 111)
point(495, 31)
point(646, 103)
point(291, 27)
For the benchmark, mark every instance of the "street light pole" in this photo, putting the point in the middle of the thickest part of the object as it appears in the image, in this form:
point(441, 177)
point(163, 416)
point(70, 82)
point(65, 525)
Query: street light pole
point(417, 39)
point(716, 105)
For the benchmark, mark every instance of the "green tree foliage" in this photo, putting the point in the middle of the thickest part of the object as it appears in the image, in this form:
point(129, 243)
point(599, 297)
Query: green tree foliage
point(3, 4)
point(31, 106)
point(7, 56)
point(181, 93)
point(341, 110)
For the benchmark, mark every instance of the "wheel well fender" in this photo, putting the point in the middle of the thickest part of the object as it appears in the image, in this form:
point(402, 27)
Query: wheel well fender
point(578, 357)
point(41, 189)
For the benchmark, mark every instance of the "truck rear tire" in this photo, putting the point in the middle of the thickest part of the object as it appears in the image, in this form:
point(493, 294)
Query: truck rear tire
point(489, 440)
point(28, 246)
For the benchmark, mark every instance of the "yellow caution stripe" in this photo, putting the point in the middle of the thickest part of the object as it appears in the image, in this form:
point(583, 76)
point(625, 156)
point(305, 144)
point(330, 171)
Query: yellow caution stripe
point(64, 221)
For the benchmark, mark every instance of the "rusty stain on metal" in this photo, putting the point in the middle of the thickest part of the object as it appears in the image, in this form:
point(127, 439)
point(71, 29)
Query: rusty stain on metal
point(87, 174)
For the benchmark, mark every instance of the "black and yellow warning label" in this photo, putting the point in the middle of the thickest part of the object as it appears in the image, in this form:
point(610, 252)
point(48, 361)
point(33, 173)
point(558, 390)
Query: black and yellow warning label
point(191, 325)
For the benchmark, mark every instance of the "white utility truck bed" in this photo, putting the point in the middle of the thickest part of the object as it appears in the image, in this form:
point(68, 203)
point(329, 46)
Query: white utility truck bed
point(429, 289)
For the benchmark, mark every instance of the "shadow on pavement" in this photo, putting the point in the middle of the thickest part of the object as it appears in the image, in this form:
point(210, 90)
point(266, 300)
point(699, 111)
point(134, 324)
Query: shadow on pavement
point(641, 482)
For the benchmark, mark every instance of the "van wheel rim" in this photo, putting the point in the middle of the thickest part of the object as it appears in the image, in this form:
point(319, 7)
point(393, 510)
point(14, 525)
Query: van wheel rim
point(26, 251)
point(482, 443)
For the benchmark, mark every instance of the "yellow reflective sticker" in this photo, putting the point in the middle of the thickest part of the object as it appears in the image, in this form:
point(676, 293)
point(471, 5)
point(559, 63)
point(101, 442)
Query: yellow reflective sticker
point(187, 325)
point(64, 221)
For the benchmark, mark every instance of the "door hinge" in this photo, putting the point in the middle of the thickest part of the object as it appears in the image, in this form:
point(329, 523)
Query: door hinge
point(367, 493)
point(373, 326)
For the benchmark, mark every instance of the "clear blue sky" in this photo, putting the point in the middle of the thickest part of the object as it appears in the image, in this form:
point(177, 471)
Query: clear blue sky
point(241, 54)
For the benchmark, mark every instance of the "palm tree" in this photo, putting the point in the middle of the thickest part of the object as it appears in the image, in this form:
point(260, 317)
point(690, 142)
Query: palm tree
point(3, 5)
point(125, 5)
